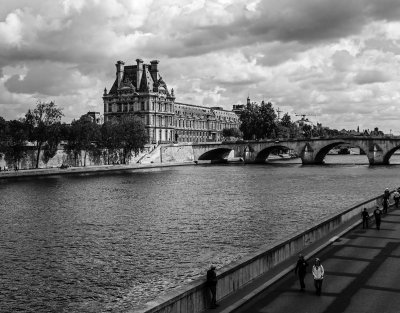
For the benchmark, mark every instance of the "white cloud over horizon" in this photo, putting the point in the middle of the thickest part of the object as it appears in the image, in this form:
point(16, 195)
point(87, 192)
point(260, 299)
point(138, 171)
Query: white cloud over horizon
point(338, 60)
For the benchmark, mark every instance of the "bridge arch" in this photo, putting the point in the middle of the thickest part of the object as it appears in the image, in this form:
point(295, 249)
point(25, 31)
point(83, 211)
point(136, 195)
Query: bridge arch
point(264, 153)
point(322, 152)
point(216, 154)
point(389, 154)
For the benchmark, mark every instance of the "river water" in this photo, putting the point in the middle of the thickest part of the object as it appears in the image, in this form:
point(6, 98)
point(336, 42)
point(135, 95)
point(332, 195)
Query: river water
point(111, 242)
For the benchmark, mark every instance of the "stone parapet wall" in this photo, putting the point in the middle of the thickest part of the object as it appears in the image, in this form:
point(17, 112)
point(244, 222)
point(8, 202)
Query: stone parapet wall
point(193, 297)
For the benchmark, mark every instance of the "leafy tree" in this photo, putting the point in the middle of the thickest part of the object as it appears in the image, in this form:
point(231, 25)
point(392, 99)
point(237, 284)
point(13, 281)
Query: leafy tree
point(268, 118)
point(132, 136)
point(84, 135)
point(110, 140)
point(307, 131)
point(286, 128)
point(3, 130)
point(15, 143)
point(248, 118)
point(286, 120)
point(258, 121)
point(53, 139)
point(40, 121)
point(231, 132)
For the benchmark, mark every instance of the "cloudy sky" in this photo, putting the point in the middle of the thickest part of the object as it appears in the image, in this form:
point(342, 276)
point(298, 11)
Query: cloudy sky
point(338, 60)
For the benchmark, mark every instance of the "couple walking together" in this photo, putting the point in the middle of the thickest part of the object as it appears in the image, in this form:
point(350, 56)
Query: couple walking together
point(317, 271)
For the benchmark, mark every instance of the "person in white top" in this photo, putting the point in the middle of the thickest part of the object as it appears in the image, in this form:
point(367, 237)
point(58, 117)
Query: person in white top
point(318, 273)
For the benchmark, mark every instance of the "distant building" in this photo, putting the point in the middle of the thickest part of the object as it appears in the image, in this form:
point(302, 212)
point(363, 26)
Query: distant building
point(238, 108)
point(139, 90)
point(96, 117)
point(376, 133)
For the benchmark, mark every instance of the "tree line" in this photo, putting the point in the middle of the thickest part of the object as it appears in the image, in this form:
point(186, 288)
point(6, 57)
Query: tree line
point(41, 130)
point(260, 121)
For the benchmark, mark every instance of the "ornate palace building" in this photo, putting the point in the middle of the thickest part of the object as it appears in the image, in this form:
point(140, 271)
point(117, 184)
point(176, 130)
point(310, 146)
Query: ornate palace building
point(140, 90)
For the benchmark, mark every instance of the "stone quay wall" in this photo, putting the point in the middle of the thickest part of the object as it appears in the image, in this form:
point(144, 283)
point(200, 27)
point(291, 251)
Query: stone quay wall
point(194, 297)
point(61, 157)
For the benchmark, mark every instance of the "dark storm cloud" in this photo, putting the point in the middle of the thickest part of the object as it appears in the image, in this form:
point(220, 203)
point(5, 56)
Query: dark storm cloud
point(306, 22)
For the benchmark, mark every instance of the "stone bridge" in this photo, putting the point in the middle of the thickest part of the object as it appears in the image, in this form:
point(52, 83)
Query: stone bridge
point(311, 151)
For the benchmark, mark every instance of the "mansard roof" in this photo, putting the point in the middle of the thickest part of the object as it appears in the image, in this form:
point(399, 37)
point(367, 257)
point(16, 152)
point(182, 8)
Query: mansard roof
point(150, 79)
point(129, 75)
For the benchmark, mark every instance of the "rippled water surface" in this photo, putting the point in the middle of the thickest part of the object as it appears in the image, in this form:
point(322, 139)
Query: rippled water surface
point(110, 242)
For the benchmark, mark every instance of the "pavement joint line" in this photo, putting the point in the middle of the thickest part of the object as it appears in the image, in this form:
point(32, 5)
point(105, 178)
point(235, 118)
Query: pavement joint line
point(278, 276)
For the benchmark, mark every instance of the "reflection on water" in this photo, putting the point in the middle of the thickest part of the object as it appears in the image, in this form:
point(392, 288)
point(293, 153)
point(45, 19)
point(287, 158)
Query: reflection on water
point(106, 243)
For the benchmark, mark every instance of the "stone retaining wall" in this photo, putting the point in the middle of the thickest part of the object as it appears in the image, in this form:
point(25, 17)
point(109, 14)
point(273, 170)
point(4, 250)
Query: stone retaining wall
point(193, 298)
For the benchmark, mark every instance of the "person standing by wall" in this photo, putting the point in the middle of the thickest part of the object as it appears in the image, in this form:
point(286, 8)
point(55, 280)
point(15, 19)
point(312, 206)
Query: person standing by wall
point(396, 198)
point(212, 286)
point(385, 205)
point(365, 218)
point(318, 273)
point(377, 215)
point(301, 270)
point(385, 201)
point(386, 193)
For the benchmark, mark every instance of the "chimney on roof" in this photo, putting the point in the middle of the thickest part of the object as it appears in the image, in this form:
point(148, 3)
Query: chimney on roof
point(120, 72)
point(154, 66)
point(139, 72)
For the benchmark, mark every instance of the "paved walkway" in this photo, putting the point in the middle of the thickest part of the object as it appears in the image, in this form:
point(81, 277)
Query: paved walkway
point(362, 275)
point(86, 169)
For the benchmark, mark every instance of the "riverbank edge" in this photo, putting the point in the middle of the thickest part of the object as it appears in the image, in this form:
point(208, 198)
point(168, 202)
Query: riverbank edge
point(192, 297)
point(87, 169)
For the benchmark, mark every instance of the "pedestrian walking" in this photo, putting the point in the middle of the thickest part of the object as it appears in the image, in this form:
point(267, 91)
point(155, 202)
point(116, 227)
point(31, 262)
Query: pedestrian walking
point(365, 218)
point(212, 286)
point(377, 215)
point(318, 273)
point(396, 198)
point(301, 270)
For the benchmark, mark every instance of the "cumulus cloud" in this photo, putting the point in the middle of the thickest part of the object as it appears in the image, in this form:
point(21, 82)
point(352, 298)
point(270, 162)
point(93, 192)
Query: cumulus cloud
point(334, 58)
point(370, 77)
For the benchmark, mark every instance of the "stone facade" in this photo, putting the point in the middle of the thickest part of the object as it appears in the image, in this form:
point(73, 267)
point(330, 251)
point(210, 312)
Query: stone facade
point(140, 90)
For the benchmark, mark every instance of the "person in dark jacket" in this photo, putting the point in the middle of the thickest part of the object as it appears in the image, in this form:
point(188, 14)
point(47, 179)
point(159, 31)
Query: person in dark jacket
point(301, 270)
point(385, 205)
point(386, 193)
point(212, 285)
point(377, 215)
point(365, 218)
point(385, 201)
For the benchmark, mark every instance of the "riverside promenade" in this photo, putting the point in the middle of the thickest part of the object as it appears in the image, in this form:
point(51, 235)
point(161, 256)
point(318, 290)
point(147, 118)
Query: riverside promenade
point(86, 169)
point(362, 274)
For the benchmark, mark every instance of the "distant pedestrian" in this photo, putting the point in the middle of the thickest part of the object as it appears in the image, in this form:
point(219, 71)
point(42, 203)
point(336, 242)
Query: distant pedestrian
point(386, 193)
point(212, 286)
point(301, 270)
point(396, 198)
point(385, 205)
point(365, 218)
point(377, 215)
point(318, 273)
